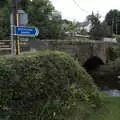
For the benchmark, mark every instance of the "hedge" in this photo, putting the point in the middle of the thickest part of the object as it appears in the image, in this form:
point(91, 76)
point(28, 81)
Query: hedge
point(45, 86)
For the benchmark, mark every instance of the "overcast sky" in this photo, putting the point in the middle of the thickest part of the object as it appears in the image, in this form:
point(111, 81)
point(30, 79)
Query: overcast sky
point(70, 10)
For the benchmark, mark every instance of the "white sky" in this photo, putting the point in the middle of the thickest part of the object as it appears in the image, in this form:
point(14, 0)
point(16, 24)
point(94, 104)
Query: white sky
point(70, 11)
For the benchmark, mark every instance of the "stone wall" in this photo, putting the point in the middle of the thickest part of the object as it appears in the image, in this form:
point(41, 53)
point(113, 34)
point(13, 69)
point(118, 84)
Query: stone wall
point(82, 50)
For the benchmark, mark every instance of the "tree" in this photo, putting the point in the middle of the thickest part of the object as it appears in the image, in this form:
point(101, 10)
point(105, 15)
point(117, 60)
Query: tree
point(95, 31)
point(4, 20)
point(43, 15)
point(3, 3)
point(106, 29)
point(24, 4)
point(113, 20)
point(55, 25)
point(70, 27)
point(98, 29)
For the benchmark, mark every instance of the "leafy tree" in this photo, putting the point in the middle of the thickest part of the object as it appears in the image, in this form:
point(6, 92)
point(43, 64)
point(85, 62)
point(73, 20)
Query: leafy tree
point(71, 27)
point(113, 19)
point(3, 3)
point(95, 31)
point(43, 15)
point(106, 30)
point(98, 29)
point(24, 3)
point(83, 32)
point(4, 20)
point(55, 27)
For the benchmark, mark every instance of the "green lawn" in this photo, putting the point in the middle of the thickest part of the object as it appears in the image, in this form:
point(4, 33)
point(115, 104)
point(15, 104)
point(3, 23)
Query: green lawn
point(111, 111)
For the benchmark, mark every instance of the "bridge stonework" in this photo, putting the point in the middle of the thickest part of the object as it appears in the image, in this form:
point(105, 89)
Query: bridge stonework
point(82, 50)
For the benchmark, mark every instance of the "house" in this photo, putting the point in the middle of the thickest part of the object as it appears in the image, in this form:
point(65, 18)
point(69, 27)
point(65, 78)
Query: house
point(86, 26)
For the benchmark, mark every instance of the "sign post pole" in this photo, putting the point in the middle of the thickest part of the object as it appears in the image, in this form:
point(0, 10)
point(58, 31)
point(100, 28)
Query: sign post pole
point(19, 20)
point(18, 38)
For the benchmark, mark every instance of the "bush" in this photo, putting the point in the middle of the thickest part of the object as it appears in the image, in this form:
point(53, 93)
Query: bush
point(46, 86)
point(107, 75)
point(111, 53)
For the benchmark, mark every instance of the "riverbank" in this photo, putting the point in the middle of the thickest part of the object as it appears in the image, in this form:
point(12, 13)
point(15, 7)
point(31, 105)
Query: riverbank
point(111, 110)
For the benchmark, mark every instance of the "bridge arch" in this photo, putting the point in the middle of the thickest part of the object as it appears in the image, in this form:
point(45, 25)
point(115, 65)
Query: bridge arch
point(93, 63)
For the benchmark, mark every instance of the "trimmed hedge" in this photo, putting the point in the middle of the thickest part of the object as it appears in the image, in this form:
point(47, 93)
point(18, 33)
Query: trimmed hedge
point(45, 86)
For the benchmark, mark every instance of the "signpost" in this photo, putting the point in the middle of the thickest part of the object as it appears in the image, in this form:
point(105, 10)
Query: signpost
point(26, 31)
point(19, 21)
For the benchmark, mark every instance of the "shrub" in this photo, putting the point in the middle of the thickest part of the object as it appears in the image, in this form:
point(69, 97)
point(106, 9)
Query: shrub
point(111, 53)
point(45, 86)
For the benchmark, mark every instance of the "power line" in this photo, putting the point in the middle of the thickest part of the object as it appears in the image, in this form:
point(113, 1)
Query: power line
point(80, 7)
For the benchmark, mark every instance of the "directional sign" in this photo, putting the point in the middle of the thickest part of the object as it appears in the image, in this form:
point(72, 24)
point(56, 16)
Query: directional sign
point(26, 31)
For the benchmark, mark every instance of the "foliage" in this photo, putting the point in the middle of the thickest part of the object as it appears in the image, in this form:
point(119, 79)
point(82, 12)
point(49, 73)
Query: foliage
point(117, 48)
point(41, 14)
point(46, 86)
point(106, 30)
point(95, 32)
point(107, 76)
point(83, 32)
point(98, 29)
point(117, 37)
point(70, 28)
point(113, 19)
point(4, 21)
point(2, 3)
point(112, 53)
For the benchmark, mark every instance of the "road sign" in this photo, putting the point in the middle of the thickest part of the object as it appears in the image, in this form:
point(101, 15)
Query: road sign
point(23, 17)
point(26, 31)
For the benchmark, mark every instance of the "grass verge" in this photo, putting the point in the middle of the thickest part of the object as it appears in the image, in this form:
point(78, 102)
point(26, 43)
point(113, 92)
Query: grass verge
point(111, 110)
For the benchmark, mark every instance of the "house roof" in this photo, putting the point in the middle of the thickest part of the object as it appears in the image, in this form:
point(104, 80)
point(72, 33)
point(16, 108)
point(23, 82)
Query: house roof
point(84, 24)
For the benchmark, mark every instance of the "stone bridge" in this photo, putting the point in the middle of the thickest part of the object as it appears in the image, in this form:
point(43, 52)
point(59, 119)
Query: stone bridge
point(89, 53)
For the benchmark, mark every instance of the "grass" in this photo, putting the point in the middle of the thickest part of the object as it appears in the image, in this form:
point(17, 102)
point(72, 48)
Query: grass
point(111, 110)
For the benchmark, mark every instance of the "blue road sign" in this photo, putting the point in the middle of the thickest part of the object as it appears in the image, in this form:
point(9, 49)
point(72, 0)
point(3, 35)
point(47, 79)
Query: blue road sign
point(26, 31)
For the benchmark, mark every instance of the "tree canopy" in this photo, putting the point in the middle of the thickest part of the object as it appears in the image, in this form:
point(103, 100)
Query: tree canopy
point(113, 19)
point(42, 14)
point(4, 19)
point(98, 29)
point(95, 31)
